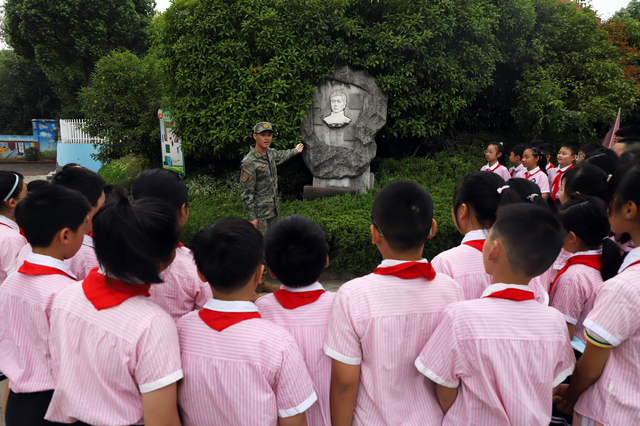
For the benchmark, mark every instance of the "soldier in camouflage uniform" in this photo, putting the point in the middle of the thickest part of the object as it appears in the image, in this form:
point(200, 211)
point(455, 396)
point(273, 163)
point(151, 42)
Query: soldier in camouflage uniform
point(259, 182)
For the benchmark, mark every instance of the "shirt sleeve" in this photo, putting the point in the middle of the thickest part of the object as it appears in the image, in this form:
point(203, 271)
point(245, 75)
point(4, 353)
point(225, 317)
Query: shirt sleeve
point(442, 360)
point(9, 250)
point(568, 297)
point(158, 363)
point(343, 342)
point(543, 183)
point(294, 388)
point(439, 265)
point(248, 186)
point(566, 360)
point(203, 295)
point(283, 155)
point(615, 316)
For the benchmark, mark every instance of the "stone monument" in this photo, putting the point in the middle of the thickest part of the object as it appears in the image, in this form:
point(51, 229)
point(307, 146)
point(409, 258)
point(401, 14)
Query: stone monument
point(339, 130)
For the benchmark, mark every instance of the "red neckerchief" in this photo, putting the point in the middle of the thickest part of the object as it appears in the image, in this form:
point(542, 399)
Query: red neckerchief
point(90, 234)
point(20, 229)
point(512, 172)
point(35, 269)
point(513, 294)
point(496, 168)
point(103, 294)
point(180, 245)
point(221, 320)
point(527, 175)
point(590, 260)
point(555, 186)
point(634, 263)
point(291, 300)
point(408, 270)
point(476, 244)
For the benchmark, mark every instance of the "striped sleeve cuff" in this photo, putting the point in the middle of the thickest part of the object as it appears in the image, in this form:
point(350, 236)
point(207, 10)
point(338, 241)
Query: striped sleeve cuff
point(594, 339)
point(342, 358)
point(433, 376)
point(290, 412)
point(566, 373)
point(161, 383)
point(600, 334)
point(570, 320)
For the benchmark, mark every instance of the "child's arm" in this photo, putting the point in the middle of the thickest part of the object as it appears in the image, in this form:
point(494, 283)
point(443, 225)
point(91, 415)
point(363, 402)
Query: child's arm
point(160, 407)
point(446, 396)
point(297, 420)
point(345, 380)
point(572, 330)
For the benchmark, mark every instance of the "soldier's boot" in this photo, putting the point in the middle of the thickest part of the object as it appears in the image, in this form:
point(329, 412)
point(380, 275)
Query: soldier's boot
point(255, 297)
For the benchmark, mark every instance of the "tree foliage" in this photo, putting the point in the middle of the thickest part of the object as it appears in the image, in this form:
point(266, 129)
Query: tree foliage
point(121, 106)
point(631, 11)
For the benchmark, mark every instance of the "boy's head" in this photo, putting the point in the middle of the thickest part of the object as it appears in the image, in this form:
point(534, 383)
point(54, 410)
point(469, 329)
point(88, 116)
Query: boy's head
point(86, 182)
point(228, 254)
point(403, 214)
point(515, 157)
point(53, 212)
point(547, 150)
point(567, 154)
point(36, 184)
point(627, 132)
point(531, 238)
point(296, 251)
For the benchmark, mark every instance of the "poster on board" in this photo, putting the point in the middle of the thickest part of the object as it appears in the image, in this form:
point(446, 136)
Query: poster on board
point(172, 155)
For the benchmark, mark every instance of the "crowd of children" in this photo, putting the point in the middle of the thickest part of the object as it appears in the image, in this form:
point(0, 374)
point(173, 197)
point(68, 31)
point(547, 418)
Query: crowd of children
point(107, 319)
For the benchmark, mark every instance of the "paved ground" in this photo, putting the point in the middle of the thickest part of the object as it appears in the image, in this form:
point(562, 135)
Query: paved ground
point(29, 169)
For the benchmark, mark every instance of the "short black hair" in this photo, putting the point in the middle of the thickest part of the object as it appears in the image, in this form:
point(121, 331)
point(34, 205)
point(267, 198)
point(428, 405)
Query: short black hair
point(49, 209)
point(536, 143)
point(479, 190)
point(528, 192)
point(630, 156)
point(403, 211)
point(587, 180)
point(132, 240)
point(588, 147)
point(70, 166)
point(571, 146)
point(628, 132)
point(518, 150)
point(629, 141)
point(35, 184)
point(624, 186)
point(532, 237)
point(604, 158)
point(228, 253)
point(547, 148)
point(88, 183)
point(296, 251)
point(114, 193)
point(162, 184)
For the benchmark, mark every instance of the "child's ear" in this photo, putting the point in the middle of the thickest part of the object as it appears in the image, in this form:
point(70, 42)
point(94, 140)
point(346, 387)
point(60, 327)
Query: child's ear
point(272, 274)
point(630, 211)
point(63, 235)
point(375, 235)
point(327, 265)
point(571, 237)
point(434, 227)
point(202, 278)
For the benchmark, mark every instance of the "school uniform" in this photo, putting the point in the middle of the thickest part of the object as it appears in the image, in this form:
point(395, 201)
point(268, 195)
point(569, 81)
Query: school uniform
point(556, 182)
point(85, 259)
point(498, 169)
point(381, 322)
point(304, 312)
point(552, 171)
point(26, 298)
point(517, 172)
point(239, 369)
point(109, 344)
point(464, 264)
point(614, 322)
point(11, 242)
point(504, 352)
point(538, 177)
point(575, 288)
point(182, 290)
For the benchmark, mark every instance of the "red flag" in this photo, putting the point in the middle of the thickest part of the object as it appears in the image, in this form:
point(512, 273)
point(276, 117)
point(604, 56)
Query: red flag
point(610, 139)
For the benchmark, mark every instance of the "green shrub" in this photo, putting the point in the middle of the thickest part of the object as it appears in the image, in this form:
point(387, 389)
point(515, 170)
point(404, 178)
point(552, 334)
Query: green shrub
point(32, 154)
point(123, 170)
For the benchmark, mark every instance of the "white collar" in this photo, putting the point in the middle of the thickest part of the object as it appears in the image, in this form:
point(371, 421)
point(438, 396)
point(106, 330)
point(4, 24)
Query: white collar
point(495, 166)
point(550, 166)
point(476, 234)
point(499, 287)
point(534, 171)
point(230, 306)
point(564, 169)
point(87, 241)
point(313, 287)
point(632, 256)
point(587, 253)
point(11, 223)
point(52, 262)
point(392, 262)
point(520, 166)
point(132, 280)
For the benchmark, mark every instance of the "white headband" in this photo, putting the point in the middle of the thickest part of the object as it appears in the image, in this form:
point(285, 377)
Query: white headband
point(502, 189)
point(15, 185)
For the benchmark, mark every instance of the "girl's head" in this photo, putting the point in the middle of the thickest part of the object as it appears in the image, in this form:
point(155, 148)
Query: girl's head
point(136, 241)
point(584, 150)
point(477, 198)
point(528, 192)
point(12, 190)
point(604, 158)
point(495, 152)
point(533, 158)
point(515, 157)
point(585, 220)
point(623, 197)
point(166, 186)
point(586, 180)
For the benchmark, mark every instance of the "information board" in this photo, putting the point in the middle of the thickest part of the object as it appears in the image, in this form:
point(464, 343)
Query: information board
point(172, 155)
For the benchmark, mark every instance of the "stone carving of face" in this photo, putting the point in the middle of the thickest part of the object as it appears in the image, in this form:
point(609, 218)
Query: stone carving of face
point(338, 104)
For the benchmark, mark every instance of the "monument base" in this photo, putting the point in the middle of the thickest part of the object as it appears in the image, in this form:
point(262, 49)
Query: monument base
point(361, 183)
point(314, 192)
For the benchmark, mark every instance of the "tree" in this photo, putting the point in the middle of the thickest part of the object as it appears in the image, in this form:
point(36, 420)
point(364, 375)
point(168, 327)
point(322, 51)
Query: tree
point(121, 106)
point(632, 11)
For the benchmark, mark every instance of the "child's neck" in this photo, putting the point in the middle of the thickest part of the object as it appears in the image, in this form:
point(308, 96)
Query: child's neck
point(48, 251)
point(508, 277)
point(411, 255)
point(492, 163)
point(533, 168)
point(516, 165)
point(8, 215)
point(562, 166)
point(242, 295)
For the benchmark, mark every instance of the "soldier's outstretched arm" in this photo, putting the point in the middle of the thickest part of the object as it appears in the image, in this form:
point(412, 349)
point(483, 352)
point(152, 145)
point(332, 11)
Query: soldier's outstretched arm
point(285, 154)
point(248, 185)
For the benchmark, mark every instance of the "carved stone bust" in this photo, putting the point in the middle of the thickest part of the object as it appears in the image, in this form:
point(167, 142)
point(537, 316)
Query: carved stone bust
point(338, 105)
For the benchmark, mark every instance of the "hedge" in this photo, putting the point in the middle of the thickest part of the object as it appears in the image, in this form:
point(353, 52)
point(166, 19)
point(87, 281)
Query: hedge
point(345, 219)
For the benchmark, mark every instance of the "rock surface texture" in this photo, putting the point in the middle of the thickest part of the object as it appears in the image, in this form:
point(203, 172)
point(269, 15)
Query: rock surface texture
point(340, 156)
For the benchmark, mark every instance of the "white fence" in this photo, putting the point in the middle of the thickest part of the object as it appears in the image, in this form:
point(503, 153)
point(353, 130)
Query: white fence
point(71, 132)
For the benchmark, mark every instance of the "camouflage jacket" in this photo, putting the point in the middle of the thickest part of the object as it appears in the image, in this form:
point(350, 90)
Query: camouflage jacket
point(259, 182)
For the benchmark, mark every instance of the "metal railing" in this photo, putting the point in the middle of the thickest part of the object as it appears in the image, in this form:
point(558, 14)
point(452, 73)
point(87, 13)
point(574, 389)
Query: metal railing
point(71, 132)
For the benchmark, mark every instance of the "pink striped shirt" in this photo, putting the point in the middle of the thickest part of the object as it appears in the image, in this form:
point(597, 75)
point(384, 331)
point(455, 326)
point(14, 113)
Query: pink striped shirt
point(464, 264)
point(518, 172)
point(382, 322)
point(575, 291)
point(25, 304)
point(308, 325)
point(85, 260)
point(498, 169)
point(538, 177)
point(104, 360)
point(552, 172)
point(614, 398)
point(182, 291)
point(250, 373)
point(11, 242)
point(505, 357)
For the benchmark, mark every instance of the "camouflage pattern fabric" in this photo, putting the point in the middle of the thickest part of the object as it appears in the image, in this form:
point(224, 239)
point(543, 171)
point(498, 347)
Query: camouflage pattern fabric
point(259, 182)
point(263, 226)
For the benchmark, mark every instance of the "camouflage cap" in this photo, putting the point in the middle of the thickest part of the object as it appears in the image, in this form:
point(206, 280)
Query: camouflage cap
point(262, 126)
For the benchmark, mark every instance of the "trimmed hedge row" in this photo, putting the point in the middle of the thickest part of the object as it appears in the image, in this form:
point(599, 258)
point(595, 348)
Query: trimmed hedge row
point(345, 219)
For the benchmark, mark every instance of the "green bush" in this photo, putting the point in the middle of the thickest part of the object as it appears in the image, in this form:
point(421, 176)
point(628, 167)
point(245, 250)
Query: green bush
point(32, 154)
point(345, 219)
point(123, 170)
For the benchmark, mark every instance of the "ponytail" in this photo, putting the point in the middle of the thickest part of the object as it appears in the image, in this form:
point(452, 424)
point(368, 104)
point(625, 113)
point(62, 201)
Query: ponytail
point(611, 259)
point(528, 192)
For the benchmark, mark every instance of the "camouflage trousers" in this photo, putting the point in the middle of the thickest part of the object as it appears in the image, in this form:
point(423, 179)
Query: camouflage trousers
point(263, 226)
